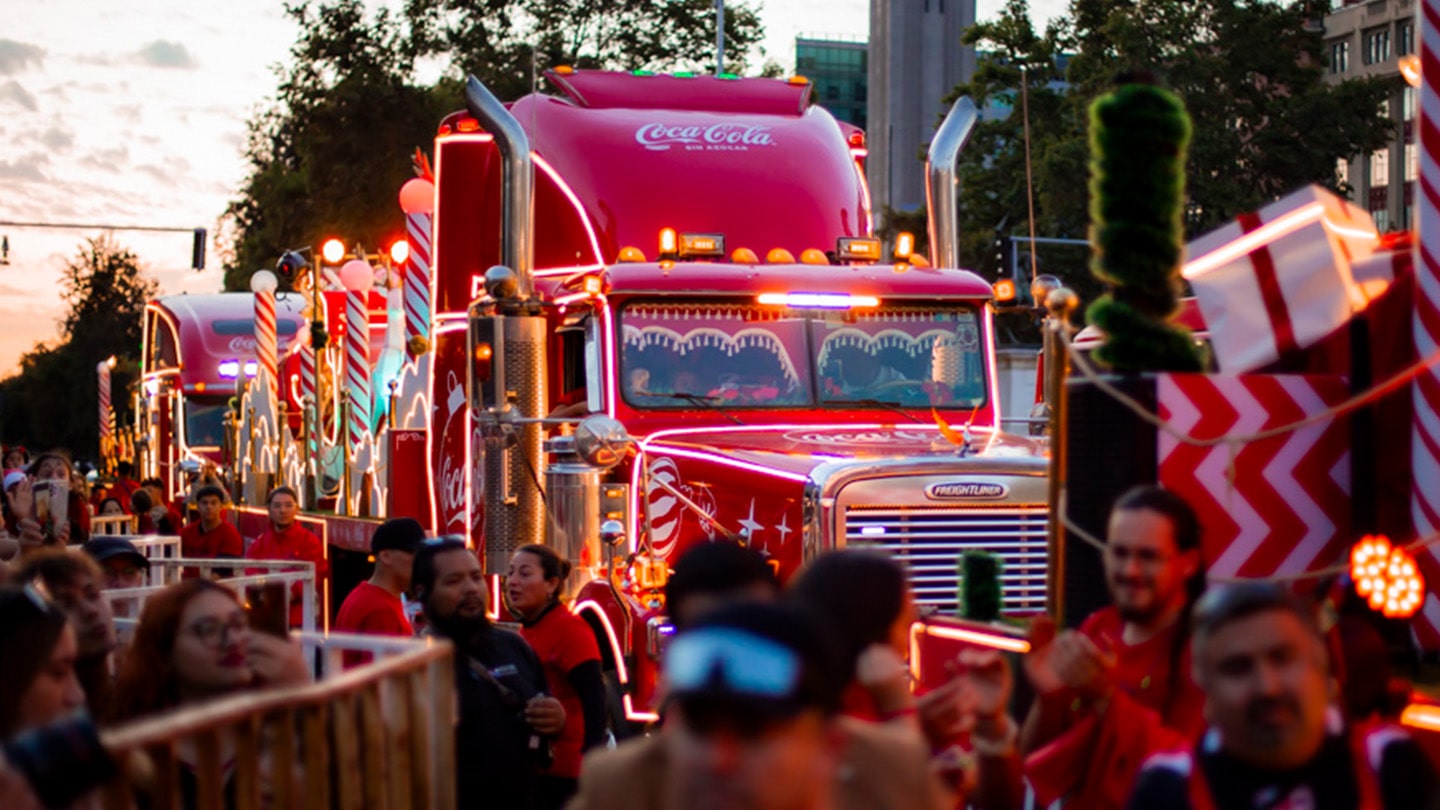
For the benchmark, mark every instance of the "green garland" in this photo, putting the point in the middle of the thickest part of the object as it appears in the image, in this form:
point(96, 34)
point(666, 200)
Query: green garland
point(1139, 135)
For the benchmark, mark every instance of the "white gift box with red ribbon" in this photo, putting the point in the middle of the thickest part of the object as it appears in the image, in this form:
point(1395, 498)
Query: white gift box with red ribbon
point(1279, 280)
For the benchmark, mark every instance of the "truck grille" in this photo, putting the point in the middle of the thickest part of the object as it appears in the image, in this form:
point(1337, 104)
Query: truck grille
point(929, 540)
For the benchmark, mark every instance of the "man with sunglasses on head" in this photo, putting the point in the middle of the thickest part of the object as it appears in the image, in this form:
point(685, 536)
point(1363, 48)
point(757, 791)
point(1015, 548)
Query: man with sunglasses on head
point(1118, 689)
point(506, 717)
point(753, 724)
point(1276, 740)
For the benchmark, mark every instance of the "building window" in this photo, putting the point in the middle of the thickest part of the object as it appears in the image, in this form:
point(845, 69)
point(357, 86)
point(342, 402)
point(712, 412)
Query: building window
point(1407, 103)
point(1412, 162)
point(1342, 171)
point(1380, 168)
point(1377, 46)
point(1382, 219)
point(1405, 38)
point(1340, 56)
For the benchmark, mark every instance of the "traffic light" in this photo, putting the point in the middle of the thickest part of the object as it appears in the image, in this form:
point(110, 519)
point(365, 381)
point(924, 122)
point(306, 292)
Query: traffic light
point(1003, 246)
point(197, 250)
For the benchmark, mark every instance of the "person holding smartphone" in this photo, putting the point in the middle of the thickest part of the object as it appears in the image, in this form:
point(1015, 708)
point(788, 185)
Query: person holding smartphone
point(43, 505)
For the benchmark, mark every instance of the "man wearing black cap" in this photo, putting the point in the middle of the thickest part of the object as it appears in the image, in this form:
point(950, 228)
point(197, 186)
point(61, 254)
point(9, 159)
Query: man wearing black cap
point(124, 565)
point(753, 726)
point(374, 606)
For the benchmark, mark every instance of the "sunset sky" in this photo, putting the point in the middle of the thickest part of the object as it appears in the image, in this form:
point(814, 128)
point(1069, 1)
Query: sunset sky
point(134, 114)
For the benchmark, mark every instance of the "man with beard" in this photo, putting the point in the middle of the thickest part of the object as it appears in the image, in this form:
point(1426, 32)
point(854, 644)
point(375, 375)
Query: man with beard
point(1118, 689)
point(505, 714)
point(1275, 739)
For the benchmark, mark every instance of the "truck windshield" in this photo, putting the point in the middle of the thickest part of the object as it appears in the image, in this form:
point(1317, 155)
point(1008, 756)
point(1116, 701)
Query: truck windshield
point(204, 422)
point(748, 355)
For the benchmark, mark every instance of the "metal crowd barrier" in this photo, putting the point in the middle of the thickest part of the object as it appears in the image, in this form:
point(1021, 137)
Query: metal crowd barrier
point(380, 735)
point(165, 571)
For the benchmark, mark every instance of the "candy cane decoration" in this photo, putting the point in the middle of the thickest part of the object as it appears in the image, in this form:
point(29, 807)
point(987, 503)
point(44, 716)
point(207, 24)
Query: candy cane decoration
point(107, 415)
point(263, 282)
point(1425, 441)
point(417, 200)
point(358, 278)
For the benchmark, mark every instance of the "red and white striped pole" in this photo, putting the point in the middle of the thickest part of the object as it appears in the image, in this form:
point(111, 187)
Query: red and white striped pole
point(107, 414)
point(417, 200)
point(1425, 441)
point(264, 283)
point(358, 278)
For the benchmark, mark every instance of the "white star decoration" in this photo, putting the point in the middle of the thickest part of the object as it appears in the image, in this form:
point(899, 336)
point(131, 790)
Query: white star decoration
point(751, 525)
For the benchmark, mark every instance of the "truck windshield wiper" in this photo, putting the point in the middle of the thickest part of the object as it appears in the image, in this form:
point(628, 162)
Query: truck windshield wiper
point(695, 399)
point(875, 403)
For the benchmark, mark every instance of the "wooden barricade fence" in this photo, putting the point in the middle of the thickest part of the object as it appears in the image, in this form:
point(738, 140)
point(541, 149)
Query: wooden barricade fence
point(379, 736)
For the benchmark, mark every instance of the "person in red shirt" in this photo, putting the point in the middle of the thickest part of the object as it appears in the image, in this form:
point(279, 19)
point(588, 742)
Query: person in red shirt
point(1119, 688)
point(375, 606)
point(211, 536)
point(571, 660)
point(286, 539)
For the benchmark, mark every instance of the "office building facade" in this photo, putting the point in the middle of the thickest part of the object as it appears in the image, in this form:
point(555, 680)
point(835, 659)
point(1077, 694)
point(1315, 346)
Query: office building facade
point(838, 70)
point(1369, 38)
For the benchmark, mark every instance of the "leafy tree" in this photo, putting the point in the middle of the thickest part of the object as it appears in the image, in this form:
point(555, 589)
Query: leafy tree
point(53, 401)
point(328, 157)
point(1250, 72)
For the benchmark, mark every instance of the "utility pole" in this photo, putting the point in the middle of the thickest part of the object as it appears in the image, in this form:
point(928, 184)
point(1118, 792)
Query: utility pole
point(719, 37)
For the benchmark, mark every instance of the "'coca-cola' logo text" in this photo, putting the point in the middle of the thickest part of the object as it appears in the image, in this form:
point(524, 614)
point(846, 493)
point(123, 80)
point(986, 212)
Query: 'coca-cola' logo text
point(716, 137)
point(242, 343)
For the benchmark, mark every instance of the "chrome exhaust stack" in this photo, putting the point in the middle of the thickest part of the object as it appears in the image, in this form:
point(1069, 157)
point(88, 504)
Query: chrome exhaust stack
point(942, 182)
point(506, 368)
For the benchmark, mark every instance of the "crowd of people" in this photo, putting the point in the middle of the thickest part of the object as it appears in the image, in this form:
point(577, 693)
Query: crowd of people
point(783, 696)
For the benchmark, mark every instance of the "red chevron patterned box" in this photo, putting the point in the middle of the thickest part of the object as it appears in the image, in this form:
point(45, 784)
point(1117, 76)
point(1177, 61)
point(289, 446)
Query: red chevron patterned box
point(1273, 506)
point(1278, 280)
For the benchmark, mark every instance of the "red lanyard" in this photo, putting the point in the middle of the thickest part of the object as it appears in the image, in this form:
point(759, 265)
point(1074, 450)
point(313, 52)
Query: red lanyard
point(1365, 778)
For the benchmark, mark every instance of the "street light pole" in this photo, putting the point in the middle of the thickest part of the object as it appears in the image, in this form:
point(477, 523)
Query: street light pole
point(719, 37)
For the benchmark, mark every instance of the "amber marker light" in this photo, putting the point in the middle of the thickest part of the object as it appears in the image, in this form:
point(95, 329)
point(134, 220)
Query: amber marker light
point(1004, 290)
point(669, 243)
point(904, 245)
point(333, 251)
point(631, 254)
point(813, 256)
point(744, 255)
point(779, 256)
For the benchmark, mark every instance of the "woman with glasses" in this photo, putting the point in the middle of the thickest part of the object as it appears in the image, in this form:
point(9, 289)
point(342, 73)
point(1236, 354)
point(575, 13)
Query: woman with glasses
point(567, 650)
point(193, 643)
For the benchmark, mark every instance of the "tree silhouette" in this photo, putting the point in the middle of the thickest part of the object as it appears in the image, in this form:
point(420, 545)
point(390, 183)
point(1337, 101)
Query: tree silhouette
point(53, 401)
